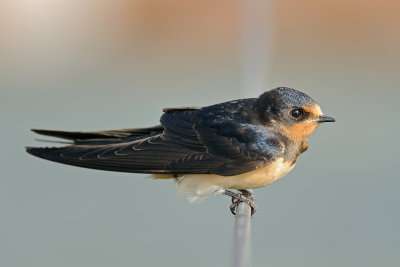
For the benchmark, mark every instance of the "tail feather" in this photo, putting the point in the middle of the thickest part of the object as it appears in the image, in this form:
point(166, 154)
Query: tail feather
point(122, 133)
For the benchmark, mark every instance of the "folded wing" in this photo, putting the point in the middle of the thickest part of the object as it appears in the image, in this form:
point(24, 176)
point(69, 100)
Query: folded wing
point(187, 141)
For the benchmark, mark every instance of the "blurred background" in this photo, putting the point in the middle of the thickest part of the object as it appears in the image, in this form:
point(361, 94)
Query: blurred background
point(98, 64)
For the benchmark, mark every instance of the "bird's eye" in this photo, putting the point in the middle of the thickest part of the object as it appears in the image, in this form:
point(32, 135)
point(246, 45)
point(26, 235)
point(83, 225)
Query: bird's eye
point(296, 113)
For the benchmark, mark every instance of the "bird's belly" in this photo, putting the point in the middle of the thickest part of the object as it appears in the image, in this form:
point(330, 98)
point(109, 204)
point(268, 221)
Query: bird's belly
point(260, 177)
point(199, 186)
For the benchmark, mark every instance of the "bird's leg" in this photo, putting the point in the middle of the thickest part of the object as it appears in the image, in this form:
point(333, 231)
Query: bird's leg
point(250, 200)
point(245, 196)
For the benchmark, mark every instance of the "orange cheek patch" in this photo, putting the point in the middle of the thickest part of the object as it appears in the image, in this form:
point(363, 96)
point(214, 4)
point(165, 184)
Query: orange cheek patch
point(300, 131)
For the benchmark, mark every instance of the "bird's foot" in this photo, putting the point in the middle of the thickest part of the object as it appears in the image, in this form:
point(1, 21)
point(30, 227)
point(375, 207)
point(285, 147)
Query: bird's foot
point(245, 196)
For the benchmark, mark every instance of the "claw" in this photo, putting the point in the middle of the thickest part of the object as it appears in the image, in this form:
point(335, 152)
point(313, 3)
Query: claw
point(245, 196)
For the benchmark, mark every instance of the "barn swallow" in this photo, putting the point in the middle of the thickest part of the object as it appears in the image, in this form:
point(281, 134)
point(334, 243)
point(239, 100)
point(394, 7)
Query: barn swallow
point(241, 144)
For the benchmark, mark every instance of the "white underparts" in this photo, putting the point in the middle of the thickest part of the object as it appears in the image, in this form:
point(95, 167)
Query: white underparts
point(197, 187)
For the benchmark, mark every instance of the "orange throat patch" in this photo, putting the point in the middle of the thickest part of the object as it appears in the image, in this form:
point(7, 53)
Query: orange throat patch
point(300, 131)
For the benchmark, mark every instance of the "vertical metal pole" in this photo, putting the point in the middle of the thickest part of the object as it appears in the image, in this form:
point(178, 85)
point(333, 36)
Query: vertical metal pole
point(256, 31)
point(241, 250)
point(257, 18)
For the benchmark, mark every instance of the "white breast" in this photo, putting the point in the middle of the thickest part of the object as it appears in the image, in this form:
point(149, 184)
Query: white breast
point(196, 187)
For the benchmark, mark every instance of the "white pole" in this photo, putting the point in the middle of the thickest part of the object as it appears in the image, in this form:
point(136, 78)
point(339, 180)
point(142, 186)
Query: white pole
point(241, 250)
point(256, 30)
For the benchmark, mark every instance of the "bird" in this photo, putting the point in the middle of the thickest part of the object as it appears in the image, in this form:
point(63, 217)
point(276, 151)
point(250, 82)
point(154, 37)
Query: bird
point(236, 145)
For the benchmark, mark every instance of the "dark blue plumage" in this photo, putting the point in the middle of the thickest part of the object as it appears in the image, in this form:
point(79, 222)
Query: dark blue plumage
point(227, 139)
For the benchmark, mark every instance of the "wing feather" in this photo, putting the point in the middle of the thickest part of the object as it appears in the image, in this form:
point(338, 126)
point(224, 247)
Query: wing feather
point(212, 140)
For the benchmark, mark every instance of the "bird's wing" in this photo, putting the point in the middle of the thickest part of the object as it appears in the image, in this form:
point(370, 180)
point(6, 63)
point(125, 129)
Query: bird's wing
point(190, 143)
point(230, 144)
point(147, 155)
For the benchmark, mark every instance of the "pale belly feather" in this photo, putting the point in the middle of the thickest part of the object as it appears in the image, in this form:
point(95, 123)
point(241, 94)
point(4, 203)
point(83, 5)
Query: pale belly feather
point(196, 187)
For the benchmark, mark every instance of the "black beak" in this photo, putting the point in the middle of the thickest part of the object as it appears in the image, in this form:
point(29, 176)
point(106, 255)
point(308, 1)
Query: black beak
point(324, 118)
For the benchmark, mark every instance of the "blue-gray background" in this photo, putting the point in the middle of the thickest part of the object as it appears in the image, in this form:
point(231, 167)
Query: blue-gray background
point(94, 65)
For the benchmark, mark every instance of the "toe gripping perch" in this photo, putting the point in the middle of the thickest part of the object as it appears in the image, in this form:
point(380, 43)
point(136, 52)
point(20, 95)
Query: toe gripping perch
point(245, 196)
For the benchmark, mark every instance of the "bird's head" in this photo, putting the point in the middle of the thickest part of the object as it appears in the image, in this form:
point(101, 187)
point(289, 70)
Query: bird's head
point(292, 112)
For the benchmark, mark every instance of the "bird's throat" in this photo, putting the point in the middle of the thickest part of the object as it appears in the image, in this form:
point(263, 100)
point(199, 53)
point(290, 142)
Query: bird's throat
point(300, 131)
